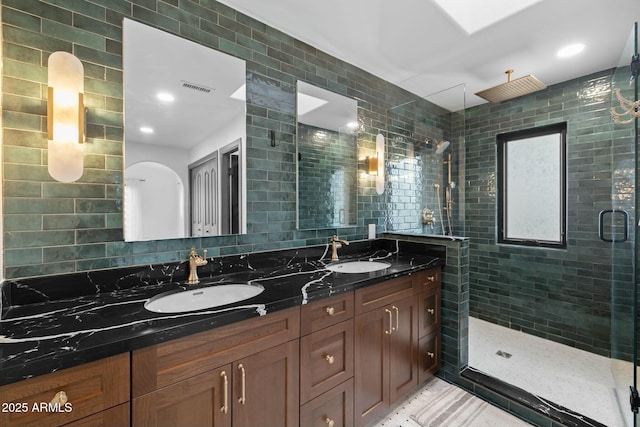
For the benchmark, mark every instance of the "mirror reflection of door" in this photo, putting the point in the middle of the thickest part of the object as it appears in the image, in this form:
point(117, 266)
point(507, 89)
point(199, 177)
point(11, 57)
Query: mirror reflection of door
point(230, 189)
point(204, 197)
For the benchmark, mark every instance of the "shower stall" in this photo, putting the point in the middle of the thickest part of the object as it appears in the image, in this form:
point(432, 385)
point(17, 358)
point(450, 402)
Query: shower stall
point(535, 310)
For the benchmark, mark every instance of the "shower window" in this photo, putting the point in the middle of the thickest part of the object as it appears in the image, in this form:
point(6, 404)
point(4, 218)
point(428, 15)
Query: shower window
point(532, 187)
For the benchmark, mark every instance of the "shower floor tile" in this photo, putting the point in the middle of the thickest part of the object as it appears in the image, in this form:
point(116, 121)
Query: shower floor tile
point(584, 382)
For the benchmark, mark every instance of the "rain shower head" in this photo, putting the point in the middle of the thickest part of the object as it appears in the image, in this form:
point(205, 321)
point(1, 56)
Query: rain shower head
point(512, 88)
point(441, 146)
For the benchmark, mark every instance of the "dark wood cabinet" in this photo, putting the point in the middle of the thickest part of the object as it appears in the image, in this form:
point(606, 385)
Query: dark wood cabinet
point(333, 408)
point(386, 346)
point(243, 374)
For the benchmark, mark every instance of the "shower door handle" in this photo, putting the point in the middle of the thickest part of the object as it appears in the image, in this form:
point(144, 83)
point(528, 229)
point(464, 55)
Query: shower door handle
point(625, 229)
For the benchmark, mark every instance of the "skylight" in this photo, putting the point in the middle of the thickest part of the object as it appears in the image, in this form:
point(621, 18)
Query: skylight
point(474, 15)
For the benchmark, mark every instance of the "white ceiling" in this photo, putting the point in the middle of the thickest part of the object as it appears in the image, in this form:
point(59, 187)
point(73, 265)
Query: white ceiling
point(416, 45)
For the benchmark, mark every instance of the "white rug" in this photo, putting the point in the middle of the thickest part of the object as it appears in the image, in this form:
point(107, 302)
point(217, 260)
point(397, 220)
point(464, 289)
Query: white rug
point(440, 404)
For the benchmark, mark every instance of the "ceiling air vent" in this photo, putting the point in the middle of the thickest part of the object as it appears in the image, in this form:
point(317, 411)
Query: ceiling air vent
point(195, 86)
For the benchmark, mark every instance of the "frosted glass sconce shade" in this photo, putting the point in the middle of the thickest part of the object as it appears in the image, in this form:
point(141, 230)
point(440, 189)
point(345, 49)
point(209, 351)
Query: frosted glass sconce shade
point(380, 168)
point(65, 117)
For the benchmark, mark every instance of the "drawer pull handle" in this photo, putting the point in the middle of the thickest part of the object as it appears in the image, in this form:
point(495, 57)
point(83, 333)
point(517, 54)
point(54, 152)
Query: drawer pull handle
point(386, 310)
point(397, 318)
point(242, 400)
point(328, 421)
point(330, 359)
point(430, 354)
point(330, 311)
point(225, 385)
point(60, 398)
point(431, 310)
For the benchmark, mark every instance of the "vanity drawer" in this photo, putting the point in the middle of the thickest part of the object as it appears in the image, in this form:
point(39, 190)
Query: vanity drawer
point(385, 293)
point(320, 314)
point(429, 312)
point(430, 278)
point(90, 389)
point(332, 408)
point(326, 359)
point(429, 357)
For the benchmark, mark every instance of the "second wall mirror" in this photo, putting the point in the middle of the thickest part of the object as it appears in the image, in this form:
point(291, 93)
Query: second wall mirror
point(327, 149)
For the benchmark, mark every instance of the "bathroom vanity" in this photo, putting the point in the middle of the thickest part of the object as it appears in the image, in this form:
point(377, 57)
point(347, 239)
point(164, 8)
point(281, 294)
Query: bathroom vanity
point(317, 347)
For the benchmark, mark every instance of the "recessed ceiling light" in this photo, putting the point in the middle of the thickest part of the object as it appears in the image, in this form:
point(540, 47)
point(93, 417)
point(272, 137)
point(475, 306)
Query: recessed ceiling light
point(165, 97)
point(570, 50)
point(146, 129)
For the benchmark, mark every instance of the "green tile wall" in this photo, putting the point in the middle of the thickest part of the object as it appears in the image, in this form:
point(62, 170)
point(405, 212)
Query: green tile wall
point(563, 295)
point(54, 228)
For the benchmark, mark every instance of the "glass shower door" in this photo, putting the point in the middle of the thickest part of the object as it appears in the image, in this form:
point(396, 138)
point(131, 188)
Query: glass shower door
point(618, 227)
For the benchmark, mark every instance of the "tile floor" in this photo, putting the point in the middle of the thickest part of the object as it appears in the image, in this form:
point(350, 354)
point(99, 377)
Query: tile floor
point(584, 382)
point(440, 404)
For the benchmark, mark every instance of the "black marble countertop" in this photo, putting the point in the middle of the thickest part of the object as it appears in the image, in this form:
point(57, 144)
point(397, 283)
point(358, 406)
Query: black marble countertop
point(58, 322)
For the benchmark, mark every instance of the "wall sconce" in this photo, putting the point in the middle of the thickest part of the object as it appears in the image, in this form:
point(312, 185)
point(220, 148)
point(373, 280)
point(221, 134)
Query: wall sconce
point(380, 168)
point(65, 117)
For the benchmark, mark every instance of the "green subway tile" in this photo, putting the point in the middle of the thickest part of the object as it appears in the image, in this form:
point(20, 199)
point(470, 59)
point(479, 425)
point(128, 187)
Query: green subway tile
point(71, 34)
point(72, 190)
point(24, 138)
point(22, 189)
point(14, 205)
point(97, 28)
point(21, 54)
point(184, 17)
point(96, 56)
point(156, 258)
point(94, 161)
point(23, 256)
point(30, 239)
point(99, 235)
point(17, 120)
point(67, 253)
point(22, 222)
point(35, 40)
point(24, 104)
point(22, 155)
point(72, 222)
point(102, 263)
point(98, 205)
point(155, 19)
point(21, 86)
point(41, 269)
point(114, 220)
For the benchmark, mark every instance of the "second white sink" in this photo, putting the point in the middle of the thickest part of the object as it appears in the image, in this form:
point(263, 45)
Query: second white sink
point(201, 298)
point(358, 266)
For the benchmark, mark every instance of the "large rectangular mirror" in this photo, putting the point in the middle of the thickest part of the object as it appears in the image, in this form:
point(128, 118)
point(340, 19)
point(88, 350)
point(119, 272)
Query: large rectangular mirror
point(185, 133)
point(327, 148)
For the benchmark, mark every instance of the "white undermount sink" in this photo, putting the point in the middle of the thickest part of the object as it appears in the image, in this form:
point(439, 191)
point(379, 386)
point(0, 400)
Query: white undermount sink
point(358, 266)
point(201, 298)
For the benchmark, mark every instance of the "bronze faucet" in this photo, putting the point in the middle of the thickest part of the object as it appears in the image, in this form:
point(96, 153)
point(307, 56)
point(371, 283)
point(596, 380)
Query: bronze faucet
point(195, 261)
point(335, 245)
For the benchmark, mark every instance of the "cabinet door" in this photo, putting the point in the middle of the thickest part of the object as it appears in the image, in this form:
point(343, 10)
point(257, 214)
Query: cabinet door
point(197, 401)
point(371, 365)
point(266, 388)
point(403, 349)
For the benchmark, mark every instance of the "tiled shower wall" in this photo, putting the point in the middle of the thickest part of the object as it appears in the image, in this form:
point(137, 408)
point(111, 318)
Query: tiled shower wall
point(54, 228)
point(563, 295)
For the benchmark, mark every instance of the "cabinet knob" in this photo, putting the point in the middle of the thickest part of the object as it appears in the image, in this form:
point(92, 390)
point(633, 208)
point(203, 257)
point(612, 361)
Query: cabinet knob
point(430, 354)
point(330, 359)
point(431, 279)
point(330, 311)
point(329, 422)
point(431, 311)
point(60, 398)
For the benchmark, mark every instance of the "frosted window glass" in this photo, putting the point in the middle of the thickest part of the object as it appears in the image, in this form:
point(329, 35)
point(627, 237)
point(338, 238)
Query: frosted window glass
point(533, 190)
